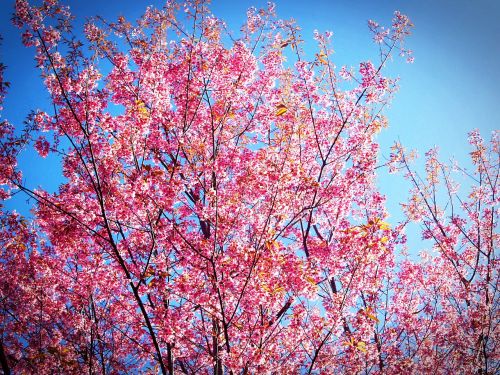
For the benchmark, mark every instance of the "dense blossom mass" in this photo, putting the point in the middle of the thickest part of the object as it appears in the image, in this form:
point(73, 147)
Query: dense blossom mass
point(219, 211)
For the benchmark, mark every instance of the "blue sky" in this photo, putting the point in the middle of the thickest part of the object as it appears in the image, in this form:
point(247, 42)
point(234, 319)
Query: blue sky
point(451, 88)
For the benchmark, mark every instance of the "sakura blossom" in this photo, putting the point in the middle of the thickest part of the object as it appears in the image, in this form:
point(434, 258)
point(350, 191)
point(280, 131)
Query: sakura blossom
point(219, 212)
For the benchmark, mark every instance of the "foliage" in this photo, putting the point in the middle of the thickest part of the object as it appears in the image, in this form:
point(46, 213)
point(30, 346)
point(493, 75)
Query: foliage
point(219, 212)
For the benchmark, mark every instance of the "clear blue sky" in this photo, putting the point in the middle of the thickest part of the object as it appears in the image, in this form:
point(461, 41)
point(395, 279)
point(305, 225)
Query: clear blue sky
point(451, 88)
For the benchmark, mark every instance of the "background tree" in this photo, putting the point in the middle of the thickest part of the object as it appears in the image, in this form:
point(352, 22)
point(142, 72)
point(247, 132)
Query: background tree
point(452, 293)
point(219, 211)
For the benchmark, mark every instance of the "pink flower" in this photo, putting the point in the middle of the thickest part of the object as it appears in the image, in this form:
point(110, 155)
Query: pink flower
point(42, 147)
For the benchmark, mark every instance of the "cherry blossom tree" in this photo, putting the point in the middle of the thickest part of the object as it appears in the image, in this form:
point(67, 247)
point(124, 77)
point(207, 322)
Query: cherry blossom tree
point(219, 210)
point(447, 304)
